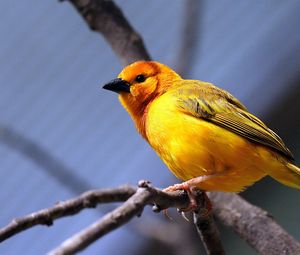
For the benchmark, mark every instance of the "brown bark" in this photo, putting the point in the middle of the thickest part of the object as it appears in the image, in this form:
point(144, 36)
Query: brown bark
point(105, 17)
point(253, 224)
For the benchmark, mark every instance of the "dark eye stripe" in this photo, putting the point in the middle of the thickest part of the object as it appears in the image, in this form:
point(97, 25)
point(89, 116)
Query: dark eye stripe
point(140, 78)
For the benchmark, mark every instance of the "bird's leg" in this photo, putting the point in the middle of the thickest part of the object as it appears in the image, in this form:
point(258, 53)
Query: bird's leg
point(190, 187)
point(190, 183)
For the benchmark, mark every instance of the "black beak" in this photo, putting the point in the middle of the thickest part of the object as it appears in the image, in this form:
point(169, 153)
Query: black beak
point(118, 85)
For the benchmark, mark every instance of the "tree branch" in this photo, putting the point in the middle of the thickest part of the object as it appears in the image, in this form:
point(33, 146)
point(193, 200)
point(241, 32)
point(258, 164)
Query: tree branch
point(207, 229)
point(90, 199)
point(136, 199)
point(106, 18)
point(253, 224)
point(73, 206)
point(121, 215)
point(250, 222)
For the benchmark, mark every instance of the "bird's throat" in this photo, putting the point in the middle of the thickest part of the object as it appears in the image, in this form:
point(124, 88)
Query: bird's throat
point(137, 111)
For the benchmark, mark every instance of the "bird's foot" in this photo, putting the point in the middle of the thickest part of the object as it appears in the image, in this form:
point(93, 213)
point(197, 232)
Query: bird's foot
point(192, 192)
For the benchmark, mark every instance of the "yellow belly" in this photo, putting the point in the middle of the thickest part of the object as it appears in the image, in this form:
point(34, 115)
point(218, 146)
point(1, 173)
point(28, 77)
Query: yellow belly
point(193, 147)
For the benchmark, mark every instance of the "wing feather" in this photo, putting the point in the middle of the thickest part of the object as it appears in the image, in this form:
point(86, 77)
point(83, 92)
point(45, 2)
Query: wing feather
point(223, 109)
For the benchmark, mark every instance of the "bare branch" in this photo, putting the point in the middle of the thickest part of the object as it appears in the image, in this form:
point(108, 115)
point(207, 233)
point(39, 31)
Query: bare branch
point(105, 17)
point(254, 225)
point(207, 229)
point(73, 206)
point(136, 199)
point(90, 199)
point(132, 207)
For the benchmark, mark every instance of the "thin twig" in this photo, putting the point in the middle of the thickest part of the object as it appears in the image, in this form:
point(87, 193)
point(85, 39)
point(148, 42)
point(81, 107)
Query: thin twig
point(121, 215)
point(107, 18)
point(69, 207)
point(134, 206)
point(90, 199)
point(250, 222)
point(254, 225)
point(137, 199)
point(207, 228)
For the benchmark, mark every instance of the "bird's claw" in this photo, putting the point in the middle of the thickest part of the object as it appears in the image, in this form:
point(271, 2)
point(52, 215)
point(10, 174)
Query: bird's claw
point(193, 202)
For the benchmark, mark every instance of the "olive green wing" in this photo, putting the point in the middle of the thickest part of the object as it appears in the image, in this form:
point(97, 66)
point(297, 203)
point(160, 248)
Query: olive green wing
point(224, 110)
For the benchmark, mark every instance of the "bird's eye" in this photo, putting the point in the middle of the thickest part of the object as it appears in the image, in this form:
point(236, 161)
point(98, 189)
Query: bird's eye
point(140, 78)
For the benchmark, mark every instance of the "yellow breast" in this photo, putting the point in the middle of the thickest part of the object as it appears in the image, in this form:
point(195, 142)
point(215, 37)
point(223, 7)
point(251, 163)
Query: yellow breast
point(194, 147)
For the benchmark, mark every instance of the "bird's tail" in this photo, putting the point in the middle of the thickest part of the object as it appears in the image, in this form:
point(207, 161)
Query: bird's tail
point(289, 176)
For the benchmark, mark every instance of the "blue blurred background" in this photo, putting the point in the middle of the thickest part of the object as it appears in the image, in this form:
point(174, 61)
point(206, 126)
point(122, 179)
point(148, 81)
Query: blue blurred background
point(51, 71)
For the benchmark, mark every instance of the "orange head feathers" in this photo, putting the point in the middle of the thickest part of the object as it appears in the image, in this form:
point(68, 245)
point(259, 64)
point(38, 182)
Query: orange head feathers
point(140, 83)
point(147, 79)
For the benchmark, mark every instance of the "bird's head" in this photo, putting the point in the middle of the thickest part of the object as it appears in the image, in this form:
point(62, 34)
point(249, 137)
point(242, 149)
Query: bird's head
point(140, 83)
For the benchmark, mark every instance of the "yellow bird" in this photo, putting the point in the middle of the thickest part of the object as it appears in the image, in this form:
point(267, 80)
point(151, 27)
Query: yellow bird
point(205, 135)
